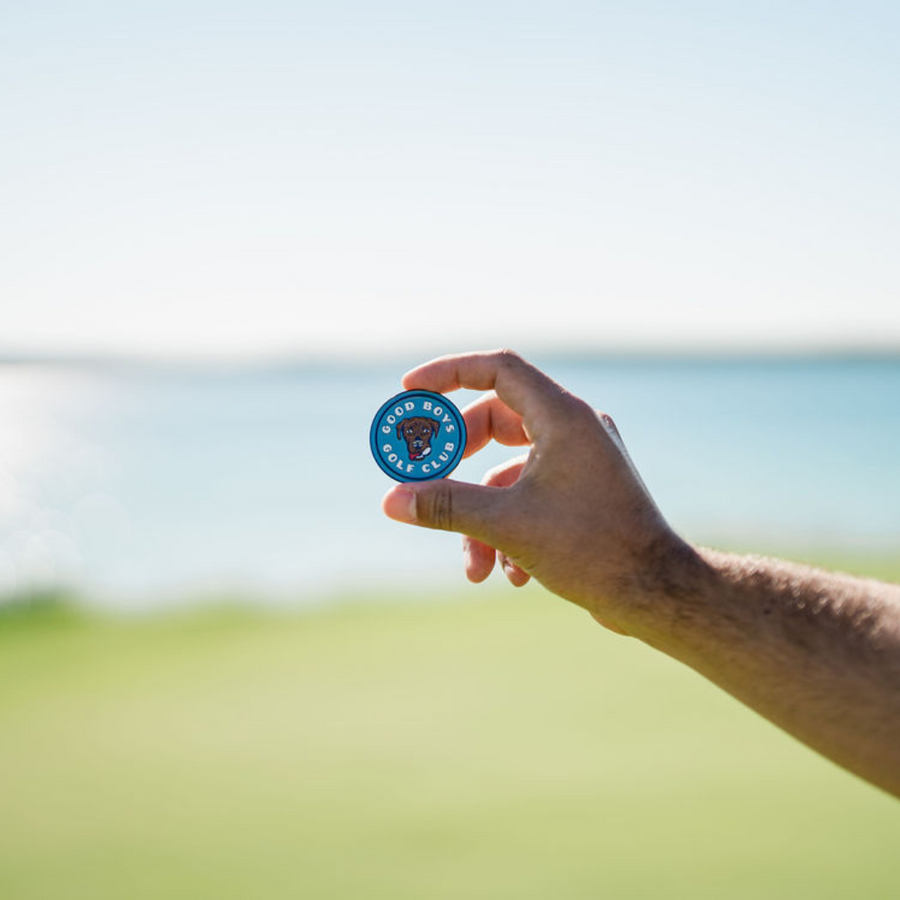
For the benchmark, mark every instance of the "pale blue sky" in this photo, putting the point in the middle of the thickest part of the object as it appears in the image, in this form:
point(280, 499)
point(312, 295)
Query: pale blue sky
point(238, 179)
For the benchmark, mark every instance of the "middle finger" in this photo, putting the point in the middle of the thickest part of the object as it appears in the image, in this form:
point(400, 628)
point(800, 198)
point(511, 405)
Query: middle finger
point(489, 418)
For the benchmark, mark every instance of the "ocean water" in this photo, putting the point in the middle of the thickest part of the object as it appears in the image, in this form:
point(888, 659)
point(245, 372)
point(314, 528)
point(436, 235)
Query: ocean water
point(139, 486)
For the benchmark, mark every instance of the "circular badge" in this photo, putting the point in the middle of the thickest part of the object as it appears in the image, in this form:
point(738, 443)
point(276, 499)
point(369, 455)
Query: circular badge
point(418, 436)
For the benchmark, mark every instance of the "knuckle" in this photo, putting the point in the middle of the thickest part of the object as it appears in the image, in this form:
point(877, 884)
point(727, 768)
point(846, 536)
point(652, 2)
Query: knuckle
point(606, 420)
point(507, 357)
point(440, 507)
point(609, 426)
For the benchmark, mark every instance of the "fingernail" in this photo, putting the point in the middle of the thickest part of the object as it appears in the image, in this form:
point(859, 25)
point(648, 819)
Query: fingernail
point(400, 504)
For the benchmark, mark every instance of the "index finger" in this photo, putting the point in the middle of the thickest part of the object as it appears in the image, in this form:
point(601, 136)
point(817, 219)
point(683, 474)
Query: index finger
point(520, 385)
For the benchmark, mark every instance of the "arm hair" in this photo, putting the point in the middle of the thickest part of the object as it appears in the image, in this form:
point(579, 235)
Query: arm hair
point(817, 653)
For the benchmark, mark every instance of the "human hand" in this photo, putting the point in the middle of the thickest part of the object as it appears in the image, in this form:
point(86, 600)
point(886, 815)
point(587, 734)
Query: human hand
point(572, 513)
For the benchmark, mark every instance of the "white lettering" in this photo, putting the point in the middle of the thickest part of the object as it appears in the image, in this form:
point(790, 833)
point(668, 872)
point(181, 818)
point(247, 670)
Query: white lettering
point(427, 405)
point(391, 419)
point(451, 428)
point(387, 448)
point(409, 405)
point(439, 410)
point(399, 410)
point(426, 469)
point(444, 457)
point(385, 429)
point(392, 458)
point(409, 467)
point(449, 447)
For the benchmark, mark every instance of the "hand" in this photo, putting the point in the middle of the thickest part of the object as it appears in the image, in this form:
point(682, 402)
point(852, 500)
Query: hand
point(815, 652)
point(572, 513)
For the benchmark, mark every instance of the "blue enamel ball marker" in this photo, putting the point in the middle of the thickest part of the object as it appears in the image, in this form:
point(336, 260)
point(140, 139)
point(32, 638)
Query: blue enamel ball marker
point(418, 436)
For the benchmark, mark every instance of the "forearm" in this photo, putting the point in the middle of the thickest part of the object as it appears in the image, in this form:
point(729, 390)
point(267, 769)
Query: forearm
point(816, 653)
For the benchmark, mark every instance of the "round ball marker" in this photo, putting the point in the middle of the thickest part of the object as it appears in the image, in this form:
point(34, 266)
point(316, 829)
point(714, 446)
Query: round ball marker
point(418, 436)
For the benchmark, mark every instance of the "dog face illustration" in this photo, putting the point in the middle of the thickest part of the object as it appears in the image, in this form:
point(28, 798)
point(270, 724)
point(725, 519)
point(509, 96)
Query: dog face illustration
point(418, 432)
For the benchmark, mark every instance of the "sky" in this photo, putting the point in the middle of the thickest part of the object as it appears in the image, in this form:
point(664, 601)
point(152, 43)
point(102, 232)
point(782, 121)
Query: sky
point(246, 180)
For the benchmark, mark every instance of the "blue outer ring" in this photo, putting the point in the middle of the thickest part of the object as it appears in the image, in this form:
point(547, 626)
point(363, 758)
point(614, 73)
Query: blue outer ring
point(449, 407)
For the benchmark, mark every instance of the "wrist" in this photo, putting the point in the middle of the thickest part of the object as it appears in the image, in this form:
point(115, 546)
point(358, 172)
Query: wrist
point(662, 600)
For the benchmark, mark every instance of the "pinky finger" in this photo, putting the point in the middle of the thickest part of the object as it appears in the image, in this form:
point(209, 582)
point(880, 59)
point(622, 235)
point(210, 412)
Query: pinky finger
point(517, 577)
point(478, 559)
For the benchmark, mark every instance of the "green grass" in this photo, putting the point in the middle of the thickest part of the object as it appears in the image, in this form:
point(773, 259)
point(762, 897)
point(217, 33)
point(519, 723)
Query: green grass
point(498, 746)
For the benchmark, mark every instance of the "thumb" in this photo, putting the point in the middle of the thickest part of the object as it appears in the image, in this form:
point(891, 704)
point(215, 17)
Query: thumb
point(448, 505)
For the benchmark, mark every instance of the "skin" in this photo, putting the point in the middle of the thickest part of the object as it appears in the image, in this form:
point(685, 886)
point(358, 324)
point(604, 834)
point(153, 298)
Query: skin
point(817, 653)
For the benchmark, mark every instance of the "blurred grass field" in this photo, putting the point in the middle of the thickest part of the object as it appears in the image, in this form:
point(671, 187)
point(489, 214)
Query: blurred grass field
point(495, 745)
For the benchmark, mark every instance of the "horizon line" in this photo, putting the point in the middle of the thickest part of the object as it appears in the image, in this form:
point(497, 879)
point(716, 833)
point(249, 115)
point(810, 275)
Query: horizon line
point(303, 358)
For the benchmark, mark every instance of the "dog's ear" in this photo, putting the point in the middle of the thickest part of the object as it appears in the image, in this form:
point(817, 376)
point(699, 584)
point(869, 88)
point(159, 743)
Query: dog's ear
point(435, 426)
point(400, 429)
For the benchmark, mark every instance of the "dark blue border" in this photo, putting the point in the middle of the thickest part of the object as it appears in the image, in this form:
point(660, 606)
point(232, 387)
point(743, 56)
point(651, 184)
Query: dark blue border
point(449, 405)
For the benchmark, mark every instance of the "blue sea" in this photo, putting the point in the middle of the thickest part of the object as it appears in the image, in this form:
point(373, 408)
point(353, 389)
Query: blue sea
point(138, 485)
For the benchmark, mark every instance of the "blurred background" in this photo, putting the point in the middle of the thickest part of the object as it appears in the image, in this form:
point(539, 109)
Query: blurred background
point(227, 231)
